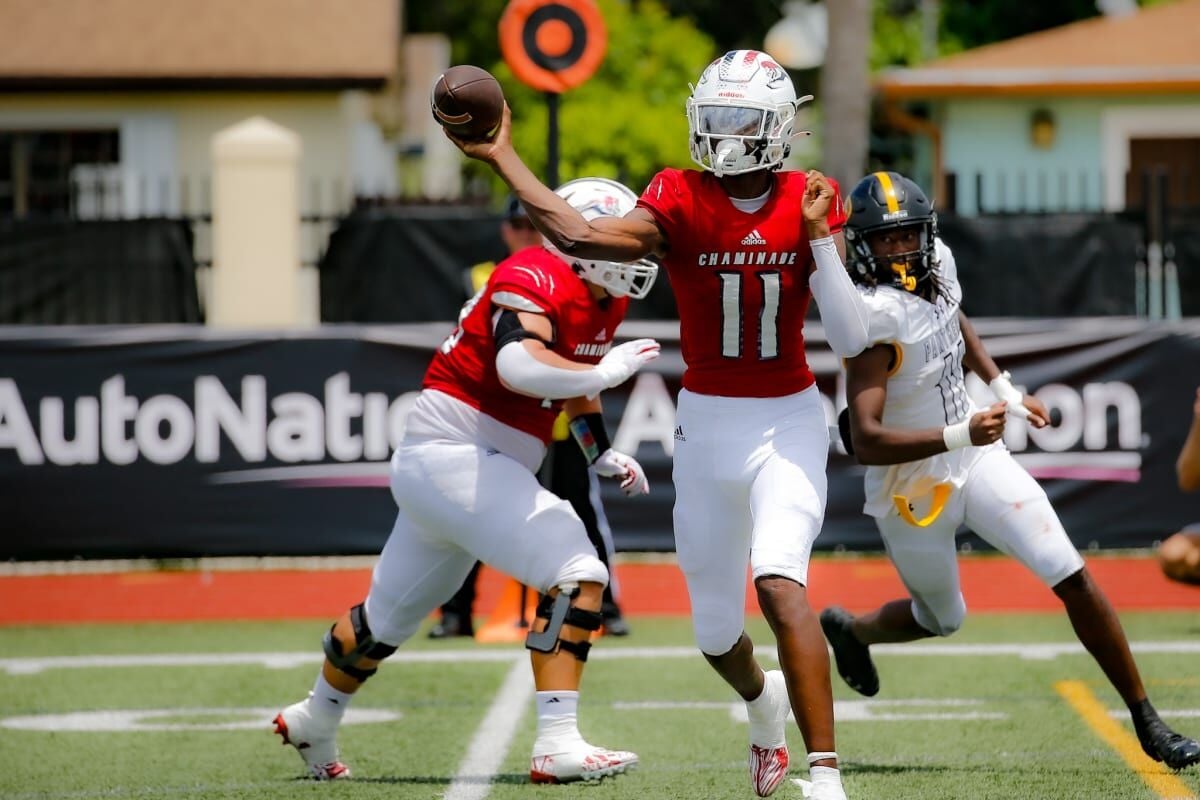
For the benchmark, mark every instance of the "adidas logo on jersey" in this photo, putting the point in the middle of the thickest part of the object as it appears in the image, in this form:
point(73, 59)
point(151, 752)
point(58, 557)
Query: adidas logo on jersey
point(603, 333)
point(753, 237)
point(679, 437)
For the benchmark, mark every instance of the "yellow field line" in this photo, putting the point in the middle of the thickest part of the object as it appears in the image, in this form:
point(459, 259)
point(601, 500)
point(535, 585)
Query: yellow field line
point(1158, 777)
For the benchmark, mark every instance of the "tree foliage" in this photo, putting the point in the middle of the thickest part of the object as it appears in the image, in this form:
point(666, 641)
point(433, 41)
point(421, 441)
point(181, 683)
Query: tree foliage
point(964, 24)
point(626, 122)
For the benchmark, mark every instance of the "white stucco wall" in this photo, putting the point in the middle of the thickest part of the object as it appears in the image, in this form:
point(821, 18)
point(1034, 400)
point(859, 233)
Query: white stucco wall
point(1084, 169)
point(167, 137)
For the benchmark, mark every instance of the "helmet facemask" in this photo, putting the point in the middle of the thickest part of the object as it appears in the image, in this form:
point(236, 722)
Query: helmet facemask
point(633, 279)
point(913, 271)
point(741, 114)
point(731, 137)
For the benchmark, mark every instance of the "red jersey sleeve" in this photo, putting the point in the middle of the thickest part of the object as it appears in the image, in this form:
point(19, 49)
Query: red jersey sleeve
point(664, 198)
point(837, 209)
point(521, 279)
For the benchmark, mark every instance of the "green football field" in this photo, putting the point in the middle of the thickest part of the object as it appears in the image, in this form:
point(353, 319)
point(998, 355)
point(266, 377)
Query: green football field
point(1007, 709)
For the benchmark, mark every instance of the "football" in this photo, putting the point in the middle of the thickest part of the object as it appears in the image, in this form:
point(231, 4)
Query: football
point(468, 102)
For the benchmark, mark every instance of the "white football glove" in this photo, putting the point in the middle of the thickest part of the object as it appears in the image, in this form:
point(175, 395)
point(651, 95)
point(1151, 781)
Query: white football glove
point(619, 364)
point(612, 464)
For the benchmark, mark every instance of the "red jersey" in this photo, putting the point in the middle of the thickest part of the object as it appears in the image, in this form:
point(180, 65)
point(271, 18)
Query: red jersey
point(740, 281)
point(530, 280)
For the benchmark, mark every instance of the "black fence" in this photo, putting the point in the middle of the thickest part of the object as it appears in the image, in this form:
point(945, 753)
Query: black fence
point(105, 249)
point(108, 259)
point(407, 265)
point(63, 272)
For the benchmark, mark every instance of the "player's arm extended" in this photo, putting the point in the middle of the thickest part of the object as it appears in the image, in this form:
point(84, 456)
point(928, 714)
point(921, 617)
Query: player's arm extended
point(627, 238)
point(525, 364)
point(977, 359)
point(1187, 468)
point(874, 443)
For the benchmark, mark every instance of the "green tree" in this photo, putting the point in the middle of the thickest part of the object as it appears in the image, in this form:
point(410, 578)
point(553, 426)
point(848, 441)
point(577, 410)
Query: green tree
point(965, 24)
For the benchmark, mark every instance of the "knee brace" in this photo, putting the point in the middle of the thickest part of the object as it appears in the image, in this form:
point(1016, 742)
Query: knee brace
point(559, 611)
point(365, 646)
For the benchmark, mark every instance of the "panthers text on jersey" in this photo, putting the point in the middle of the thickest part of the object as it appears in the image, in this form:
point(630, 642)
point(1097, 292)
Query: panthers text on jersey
point(740, 281)
point(532, 280)
point(925, 385)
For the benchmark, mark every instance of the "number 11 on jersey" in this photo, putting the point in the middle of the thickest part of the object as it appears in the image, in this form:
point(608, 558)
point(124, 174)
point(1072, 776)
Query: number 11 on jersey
point(732, 311)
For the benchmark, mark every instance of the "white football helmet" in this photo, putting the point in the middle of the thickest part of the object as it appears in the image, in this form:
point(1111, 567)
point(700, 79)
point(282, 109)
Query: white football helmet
point(741, 113)
point(600, 197)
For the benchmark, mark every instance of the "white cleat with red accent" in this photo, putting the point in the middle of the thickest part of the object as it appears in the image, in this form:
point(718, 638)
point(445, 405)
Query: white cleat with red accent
point(315, 742)
point(768, 736)
point(582, 762)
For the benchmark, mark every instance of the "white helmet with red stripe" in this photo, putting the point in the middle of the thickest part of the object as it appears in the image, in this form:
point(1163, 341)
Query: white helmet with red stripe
point(600, 197)
point(741, 114)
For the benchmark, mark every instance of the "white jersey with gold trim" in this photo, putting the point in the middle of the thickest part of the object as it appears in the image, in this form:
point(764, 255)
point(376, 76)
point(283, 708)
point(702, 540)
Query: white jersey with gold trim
point(925, 387)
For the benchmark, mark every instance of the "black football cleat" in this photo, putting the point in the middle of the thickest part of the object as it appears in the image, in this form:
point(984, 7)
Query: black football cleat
point(1160, 742)
point(853, 658)
point(451, 625)
point(614, 622)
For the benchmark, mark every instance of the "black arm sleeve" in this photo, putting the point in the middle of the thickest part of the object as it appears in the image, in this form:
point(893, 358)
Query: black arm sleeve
point(508, 330)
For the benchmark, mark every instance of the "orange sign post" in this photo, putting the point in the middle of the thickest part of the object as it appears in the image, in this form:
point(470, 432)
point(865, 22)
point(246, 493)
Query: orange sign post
point(553, 46)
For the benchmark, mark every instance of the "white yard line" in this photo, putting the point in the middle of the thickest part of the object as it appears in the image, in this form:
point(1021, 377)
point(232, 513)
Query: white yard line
point(1032, 651)
point(488, 747)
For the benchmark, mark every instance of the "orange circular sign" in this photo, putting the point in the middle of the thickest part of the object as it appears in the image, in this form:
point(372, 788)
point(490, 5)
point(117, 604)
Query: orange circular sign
point(553, 45)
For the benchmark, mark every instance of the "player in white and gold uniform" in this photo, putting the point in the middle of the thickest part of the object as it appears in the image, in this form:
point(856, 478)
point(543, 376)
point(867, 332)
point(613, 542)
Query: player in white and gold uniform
point(935, 461)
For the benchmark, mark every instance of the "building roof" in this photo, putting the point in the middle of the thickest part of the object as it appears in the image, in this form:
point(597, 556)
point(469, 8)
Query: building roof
point(1156, 49)
point(57, 44)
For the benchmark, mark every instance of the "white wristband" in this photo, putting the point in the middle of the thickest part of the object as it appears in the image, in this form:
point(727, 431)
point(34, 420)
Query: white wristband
point(958, 435)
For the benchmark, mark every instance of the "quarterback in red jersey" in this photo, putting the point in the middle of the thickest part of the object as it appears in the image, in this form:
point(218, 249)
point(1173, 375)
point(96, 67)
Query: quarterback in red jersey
point(745, 246)
point(537, 338)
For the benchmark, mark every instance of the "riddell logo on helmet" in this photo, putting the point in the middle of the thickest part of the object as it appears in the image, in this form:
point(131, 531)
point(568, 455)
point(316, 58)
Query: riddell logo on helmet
point(901, 214)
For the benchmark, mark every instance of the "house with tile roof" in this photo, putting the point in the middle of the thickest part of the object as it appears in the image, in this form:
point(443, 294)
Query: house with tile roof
point(1079, 117)
point(109, 108)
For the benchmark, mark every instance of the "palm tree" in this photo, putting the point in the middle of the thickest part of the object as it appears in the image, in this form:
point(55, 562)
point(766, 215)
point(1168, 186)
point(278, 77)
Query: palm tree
point(845, 96)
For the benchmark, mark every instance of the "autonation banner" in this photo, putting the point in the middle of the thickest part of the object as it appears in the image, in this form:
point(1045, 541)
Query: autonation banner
point(177, 441)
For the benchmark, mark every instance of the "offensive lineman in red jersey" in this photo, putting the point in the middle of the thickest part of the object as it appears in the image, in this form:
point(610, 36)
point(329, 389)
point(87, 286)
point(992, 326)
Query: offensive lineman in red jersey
point(745, 246)
point(536, 338)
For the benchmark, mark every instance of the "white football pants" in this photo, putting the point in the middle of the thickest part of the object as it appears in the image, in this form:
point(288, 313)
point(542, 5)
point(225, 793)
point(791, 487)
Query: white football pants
point(1002, 503)
point(460, 503)
point(750, 487)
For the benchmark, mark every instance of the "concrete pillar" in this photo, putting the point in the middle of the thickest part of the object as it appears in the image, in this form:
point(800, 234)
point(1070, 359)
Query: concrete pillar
point(256, 227)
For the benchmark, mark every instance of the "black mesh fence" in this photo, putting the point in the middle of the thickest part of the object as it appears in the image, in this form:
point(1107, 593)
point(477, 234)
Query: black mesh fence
point(64, 272)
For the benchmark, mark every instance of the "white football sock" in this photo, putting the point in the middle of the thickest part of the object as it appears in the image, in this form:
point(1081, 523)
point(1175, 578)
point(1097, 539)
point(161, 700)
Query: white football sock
point(557, 727)
point(762, 712)
point(328, 701)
